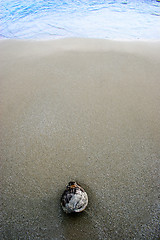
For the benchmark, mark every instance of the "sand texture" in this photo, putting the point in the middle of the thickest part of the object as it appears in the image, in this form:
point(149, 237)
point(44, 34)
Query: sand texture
point(84, 110)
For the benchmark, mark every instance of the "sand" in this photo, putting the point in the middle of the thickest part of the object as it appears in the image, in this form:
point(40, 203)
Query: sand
point(85, 110)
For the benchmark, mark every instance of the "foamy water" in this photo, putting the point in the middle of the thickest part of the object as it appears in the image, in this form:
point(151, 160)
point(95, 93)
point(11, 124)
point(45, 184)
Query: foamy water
point(112, 19)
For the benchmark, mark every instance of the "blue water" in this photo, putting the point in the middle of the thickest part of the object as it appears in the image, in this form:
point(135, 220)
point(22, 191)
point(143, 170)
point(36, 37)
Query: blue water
point(111, 19)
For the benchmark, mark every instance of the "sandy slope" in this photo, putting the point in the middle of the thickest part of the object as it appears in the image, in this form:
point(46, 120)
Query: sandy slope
point(85, 110)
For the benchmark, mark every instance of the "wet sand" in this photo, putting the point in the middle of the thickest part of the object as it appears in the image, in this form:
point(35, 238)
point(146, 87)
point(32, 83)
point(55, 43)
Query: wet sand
point(85, 110)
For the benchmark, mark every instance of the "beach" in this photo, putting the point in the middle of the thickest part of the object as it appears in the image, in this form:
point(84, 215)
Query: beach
point(86, 110)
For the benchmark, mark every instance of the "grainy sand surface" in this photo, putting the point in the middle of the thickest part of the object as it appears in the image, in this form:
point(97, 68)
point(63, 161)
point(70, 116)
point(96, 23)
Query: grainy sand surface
point(85, 110)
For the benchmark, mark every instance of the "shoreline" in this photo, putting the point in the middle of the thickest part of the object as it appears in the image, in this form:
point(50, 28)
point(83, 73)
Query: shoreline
point(144, 47)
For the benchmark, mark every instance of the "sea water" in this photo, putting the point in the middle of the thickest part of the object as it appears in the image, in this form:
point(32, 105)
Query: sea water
point(111, 19)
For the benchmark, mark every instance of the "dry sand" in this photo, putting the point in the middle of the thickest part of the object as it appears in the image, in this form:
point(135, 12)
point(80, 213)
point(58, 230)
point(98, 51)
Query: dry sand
point(85, 110)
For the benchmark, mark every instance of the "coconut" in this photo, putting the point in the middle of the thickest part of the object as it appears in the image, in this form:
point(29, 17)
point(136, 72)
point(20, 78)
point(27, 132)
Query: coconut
point(74, 198)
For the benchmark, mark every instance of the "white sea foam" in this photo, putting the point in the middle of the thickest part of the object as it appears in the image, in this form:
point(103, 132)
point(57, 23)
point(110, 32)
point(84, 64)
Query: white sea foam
point(121, 19)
